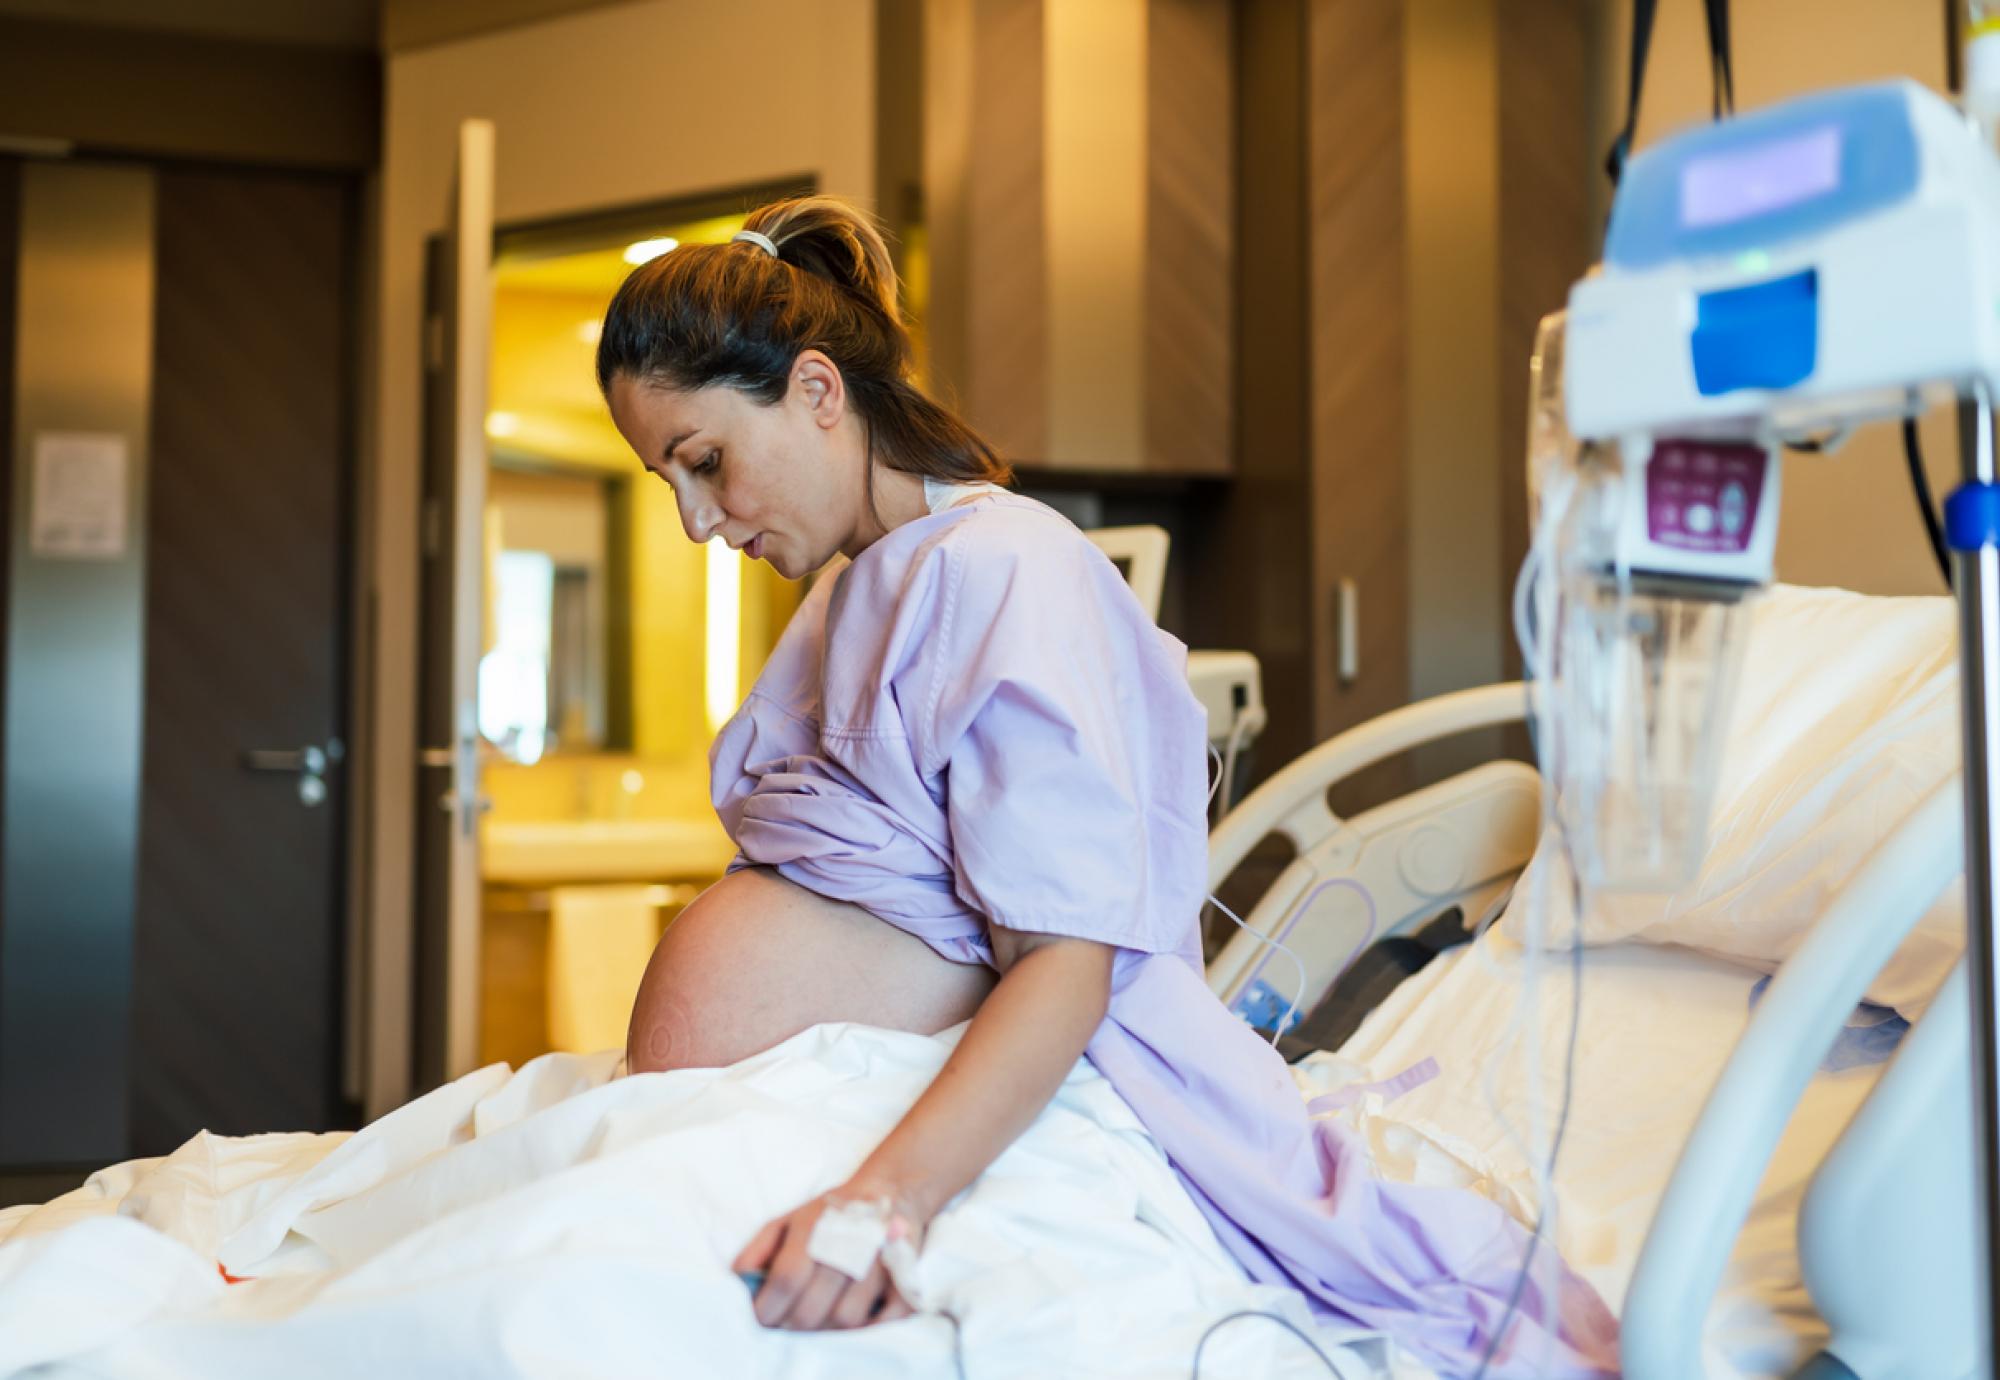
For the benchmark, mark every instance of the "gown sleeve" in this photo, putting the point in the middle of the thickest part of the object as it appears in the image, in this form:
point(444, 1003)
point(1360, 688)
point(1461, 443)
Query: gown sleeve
point(1071, 748)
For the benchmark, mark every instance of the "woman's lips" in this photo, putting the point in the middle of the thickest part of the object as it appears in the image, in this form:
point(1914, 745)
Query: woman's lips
point(755, 550)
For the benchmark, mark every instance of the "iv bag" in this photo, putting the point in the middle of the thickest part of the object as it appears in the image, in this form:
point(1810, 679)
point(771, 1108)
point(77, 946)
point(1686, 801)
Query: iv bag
point(1642, 672)
point(1550, 445)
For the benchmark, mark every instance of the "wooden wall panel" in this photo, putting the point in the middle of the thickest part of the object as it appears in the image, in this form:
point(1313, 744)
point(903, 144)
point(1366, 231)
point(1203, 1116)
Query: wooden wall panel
point(1005, 388)
point(1360, 523)
point(1547, 241)
point(1243, 562)
point(1190, 258)
point(1071, 340)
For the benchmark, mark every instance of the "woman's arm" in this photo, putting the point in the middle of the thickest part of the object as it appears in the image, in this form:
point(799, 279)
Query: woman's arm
point(1021, 1044)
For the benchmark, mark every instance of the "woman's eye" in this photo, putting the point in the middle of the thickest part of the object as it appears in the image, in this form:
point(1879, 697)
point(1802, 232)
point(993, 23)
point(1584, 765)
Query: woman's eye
point(709, 462)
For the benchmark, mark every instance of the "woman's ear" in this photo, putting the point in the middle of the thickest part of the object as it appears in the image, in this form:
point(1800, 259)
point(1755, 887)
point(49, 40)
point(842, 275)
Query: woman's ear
point(817, 386)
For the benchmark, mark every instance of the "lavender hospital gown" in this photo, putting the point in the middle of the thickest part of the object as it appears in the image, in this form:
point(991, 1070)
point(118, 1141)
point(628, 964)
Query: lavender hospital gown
point(975, 724)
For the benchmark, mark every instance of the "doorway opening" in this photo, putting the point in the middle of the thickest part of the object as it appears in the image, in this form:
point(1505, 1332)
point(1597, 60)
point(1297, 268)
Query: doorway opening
point(612, 650)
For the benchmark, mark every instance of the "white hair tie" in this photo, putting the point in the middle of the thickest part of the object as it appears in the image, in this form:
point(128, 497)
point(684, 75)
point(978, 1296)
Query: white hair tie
point(763, 242)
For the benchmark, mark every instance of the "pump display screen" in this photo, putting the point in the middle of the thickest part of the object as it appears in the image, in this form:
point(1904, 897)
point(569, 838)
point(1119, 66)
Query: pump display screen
point(1723, 188)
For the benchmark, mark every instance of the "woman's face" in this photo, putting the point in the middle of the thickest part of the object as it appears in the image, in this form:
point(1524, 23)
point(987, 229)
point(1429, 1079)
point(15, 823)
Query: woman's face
point(783, 483)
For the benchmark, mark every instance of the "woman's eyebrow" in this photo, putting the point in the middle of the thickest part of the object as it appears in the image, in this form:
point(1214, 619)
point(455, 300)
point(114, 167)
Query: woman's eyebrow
point(677, 443)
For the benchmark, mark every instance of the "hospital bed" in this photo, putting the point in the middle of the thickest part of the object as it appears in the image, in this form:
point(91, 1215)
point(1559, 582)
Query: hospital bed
point(514, 1221)
point(1659, 1023)
point(1708, 1096)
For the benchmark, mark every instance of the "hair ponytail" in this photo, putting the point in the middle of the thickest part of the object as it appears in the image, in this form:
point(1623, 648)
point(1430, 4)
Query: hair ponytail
point(831, 239)
point(735, 315)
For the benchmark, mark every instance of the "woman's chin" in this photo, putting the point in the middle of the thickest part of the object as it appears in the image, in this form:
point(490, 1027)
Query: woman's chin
point(791, 571)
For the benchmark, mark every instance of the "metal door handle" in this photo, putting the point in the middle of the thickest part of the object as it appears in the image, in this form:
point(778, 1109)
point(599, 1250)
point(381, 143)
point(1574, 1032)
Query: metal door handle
point(478, 751)
point(308, 763)
point(312, 759)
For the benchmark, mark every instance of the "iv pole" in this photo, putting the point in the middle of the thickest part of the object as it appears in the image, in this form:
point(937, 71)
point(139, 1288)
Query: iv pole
point(1972, 527)
point(1972, 530)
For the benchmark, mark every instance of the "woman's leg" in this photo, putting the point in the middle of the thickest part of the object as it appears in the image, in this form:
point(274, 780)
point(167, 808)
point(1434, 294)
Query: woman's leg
point(755, 959)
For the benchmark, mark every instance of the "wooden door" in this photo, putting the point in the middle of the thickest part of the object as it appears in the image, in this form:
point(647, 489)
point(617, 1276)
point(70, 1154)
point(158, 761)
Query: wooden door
point(450, 800)
point(239, 944)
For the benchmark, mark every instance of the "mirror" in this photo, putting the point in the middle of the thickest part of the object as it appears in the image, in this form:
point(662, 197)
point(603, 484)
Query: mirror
point(611, 641)
point(545, 681)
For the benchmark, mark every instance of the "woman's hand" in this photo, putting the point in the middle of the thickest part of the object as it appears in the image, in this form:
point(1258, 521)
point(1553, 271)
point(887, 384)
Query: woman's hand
point(802, 1295)
point(1021, 1044)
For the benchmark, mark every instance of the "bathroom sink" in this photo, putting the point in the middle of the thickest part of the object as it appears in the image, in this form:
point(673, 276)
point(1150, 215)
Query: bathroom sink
point(604, 850)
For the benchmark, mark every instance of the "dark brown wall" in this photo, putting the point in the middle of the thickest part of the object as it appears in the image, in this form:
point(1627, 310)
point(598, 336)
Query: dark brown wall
point(1359, 299)
point(1322, 287)
point(1190, 237)
point(1006, 377)
point(1319, 492)
point(1547, 239)
point(899, 118)
point(1245, 561)
point(181, 96)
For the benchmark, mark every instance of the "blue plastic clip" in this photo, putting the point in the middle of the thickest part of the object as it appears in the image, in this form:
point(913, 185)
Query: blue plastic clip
point(1264, 1007)
point(1972, 517)
point(1765, 335)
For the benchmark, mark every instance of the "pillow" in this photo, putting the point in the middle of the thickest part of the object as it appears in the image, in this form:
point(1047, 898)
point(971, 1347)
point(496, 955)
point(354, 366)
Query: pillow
point(1846, 718)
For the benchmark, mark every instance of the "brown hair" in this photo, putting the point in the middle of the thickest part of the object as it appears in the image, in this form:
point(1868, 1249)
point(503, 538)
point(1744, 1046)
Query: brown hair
point(733, 314)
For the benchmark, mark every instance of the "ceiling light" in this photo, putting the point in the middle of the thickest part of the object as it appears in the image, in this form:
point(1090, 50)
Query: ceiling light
point(590, 331)
point(502, 424)
point(639, 251)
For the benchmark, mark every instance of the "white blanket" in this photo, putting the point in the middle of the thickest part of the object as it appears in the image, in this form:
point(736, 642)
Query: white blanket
point(560, 1222)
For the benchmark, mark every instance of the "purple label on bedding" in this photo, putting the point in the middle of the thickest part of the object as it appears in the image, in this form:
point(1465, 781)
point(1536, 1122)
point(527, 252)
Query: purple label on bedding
point(1415, 1076)
point(1703, 495)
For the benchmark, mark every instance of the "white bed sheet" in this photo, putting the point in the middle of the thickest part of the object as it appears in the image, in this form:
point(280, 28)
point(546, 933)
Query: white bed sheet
point(561, 1223)
point(1657, 1025)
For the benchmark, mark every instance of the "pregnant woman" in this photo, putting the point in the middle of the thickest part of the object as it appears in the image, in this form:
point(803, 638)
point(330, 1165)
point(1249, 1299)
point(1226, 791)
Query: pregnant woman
point(971, 784)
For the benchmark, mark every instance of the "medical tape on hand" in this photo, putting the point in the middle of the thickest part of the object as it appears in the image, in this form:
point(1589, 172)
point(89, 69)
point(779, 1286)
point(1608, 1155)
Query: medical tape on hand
point(849, 1237)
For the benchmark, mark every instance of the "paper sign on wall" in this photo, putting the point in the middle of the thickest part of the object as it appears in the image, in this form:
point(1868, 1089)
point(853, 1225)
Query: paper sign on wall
point(79, 507)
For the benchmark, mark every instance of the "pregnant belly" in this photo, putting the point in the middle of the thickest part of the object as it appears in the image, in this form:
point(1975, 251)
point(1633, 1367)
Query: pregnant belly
point(756, 959)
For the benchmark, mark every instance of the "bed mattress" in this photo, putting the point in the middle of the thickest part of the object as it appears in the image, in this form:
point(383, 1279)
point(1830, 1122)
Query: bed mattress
point(1657, 1026)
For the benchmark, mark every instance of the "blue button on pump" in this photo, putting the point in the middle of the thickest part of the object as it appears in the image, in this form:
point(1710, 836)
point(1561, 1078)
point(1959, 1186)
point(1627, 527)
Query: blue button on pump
point(1972, 517)
point(1765, 335)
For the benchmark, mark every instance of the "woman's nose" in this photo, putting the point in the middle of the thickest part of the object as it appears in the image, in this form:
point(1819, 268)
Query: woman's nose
point(700, 520)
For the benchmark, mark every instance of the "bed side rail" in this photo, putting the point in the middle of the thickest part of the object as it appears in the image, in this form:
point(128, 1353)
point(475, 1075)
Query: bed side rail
point(1351, 882)
point(1459, 843)
point(1713, 1184)
point(1293, 801)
